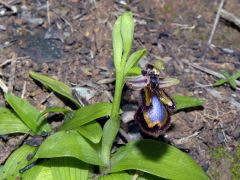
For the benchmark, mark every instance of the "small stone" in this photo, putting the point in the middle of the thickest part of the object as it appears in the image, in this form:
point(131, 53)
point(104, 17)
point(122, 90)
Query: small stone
point(70, 41)
point(236, 133)
point(220, 138)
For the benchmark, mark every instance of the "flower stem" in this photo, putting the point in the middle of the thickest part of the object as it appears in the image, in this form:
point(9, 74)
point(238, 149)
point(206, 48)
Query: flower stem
point(112, 126)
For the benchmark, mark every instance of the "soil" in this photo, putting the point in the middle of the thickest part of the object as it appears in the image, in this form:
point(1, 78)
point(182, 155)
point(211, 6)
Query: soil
point(71, 41)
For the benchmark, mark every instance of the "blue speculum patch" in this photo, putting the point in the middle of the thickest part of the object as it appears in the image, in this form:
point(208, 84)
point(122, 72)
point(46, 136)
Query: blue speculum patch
point(154, 111)
point(157, 112)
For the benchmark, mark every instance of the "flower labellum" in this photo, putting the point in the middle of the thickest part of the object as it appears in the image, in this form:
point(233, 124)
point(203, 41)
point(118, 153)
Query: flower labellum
point(155, 105)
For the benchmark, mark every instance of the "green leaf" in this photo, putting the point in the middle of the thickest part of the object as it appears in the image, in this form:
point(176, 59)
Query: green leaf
point(134, 71)
point(117, 176)
point(28, 113)
point(87, 114)
point(58, 169)
point(147, 176)
point(127, 29)
point(53, 110)
point(110, 130)
point(236, 75)
point(69, 144)
point(40, 171)
point(55, 85)
point(134, 59)
point(220, 82)
point(226, 74)
point(117, 43)
point(91, 131)
point(186, 101)
point(156, 158)
point(69, 168)
point(10, 123)
point(16, 161)
point(232, 83)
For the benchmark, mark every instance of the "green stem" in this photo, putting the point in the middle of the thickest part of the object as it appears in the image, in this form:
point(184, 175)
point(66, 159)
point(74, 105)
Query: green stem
point(112, 126)
point(117, 93)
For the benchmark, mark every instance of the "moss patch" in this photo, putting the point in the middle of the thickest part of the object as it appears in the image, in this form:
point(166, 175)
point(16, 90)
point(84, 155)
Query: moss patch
point(222, 154)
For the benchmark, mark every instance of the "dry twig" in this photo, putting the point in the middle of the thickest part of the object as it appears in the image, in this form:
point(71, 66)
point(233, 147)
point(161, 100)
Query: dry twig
point(12, 8)
point(3, 86)
point(230, 17)
point(48, 14)
point(221, 97)
point(206, 70)
point(24, 89)
point(215, 22)
point(10, 60)
point(12, 72)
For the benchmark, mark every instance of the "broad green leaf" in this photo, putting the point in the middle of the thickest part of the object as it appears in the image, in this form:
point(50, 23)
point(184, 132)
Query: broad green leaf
point(10, 123)
point(16, 161)
point(87, 114)
point(58, 169)
point(117, 176)
point(138, 175)
point(40, 171)
point(157, 158)
point(28, 113)
point(147, 176)
point(117, 43)
point(91, 131)
point(186, 101)
point(69, 168)
point(220, 82)
point(69, 144)
point(55, 85)
point(127, 28)
point(134, 59)
point(1, 168)
point(134, 71)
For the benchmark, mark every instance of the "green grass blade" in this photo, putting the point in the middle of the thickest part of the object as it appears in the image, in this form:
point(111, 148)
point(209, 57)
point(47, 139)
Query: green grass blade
point(157, 158)
point(69, 144)
point(186, 101)
point(220, 82)
point(226, 74)
point(10, 123)
point(28, 113)
point(91, 131)
point(87, 114)
point(55, 85)
point(236, 75)
point(232, 83)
